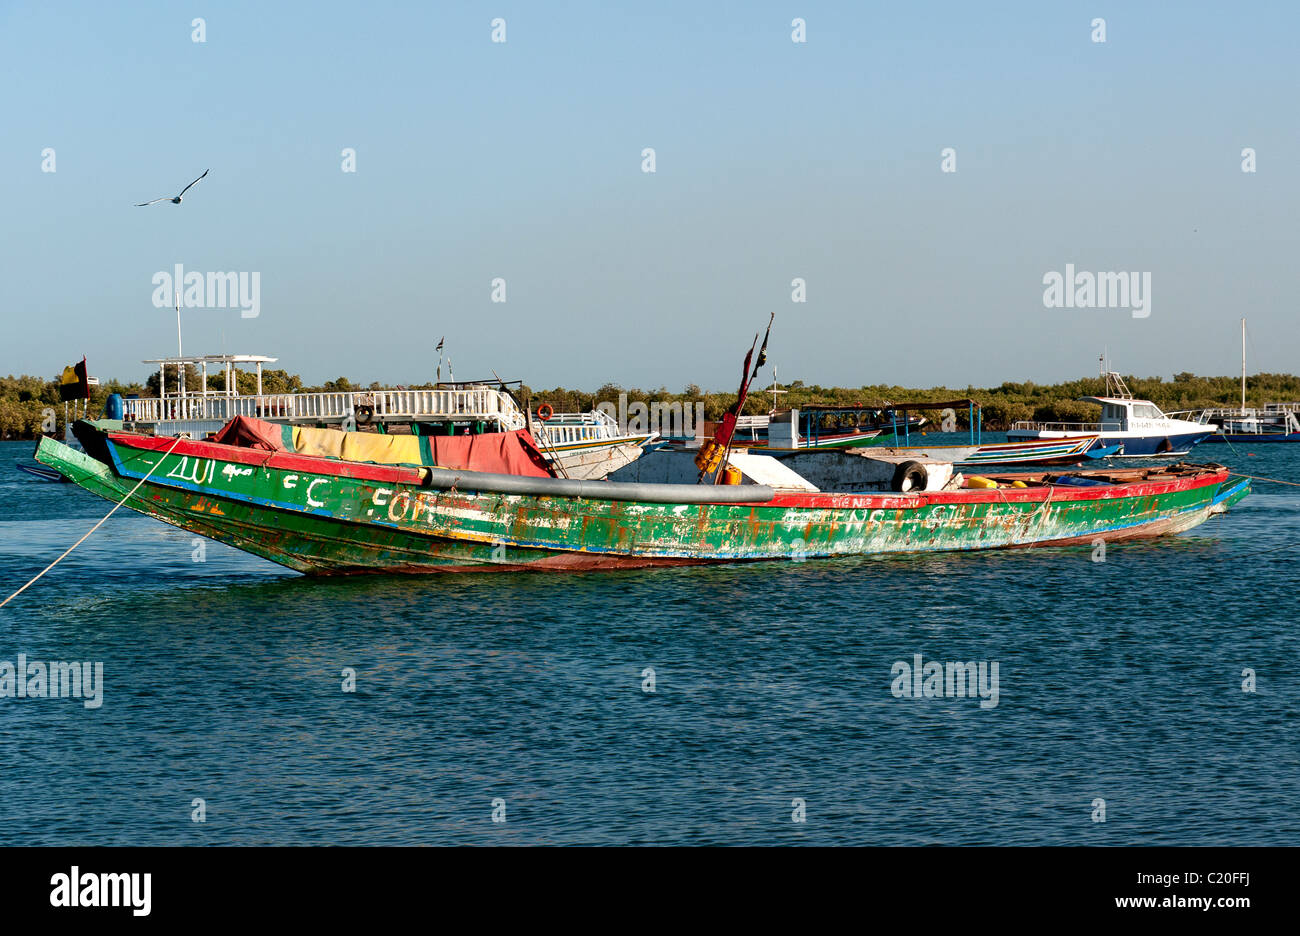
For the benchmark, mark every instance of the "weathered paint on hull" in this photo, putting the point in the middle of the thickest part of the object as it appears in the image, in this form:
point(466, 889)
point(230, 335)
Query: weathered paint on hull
point(318, 522)
point(312, 543)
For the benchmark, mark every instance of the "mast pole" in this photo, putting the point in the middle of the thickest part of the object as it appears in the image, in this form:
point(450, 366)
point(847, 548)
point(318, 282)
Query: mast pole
point(1243, 365)
point(180, 352)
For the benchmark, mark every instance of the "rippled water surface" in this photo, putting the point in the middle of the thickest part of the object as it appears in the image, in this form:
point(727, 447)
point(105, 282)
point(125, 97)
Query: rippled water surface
point(1119, 680)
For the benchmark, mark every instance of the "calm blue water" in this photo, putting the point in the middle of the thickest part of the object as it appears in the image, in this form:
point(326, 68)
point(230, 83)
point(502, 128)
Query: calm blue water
point(1119, 680)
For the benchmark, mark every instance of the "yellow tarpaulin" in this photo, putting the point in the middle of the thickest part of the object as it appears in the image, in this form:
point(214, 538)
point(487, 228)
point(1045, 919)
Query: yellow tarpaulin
point(357, 446)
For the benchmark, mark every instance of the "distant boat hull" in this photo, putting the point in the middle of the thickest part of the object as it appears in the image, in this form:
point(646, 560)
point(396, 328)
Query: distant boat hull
point(40, 471)
point(591, 461)
point(1068, 450)
point(1134, 445)
point(845, 440)
point(1254, 438)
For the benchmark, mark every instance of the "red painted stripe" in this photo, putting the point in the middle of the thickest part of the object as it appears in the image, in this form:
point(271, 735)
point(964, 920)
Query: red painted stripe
point(1059, 494)
point(393, 475)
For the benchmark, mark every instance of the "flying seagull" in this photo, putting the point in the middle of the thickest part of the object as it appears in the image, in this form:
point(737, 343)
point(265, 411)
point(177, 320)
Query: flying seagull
point(177, 199)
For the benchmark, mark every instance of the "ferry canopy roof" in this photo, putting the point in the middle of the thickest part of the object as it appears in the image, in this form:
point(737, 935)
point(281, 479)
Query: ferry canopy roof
point(884, 405)
point(215, 359)
point(228, 363)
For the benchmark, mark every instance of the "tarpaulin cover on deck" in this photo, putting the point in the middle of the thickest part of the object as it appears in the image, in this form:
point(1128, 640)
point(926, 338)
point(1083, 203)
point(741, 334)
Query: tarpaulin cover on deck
point(247, 432)
point(499, 452)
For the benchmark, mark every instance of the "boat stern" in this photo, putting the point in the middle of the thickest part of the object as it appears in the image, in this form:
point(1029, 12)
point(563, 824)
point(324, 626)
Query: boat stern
point(73, 464)
point(1230, 493)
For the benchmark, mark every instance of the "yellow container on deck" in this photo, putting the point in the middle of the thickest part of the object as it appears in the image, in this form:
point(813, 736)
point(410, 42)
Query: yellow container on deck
point(709, 457)
point(975, 481)
point(731, 475)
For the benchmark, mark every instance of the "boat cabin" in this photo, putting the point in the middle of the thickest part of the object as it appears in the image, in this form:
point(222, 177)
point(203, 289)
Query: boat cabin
point(1119, 414)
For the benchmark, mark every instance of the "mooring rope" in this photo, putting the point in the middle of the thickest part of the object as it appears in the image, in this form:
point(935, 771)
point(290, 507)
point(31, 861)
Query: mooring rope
point(92, 529)
point(546, 444)
point(1272, 549)
point(1236, 474)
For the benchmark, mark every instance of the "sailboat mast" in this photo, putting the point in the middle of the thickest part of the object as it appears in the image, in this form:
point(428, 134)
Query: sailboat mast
point(180, 351)
point(1243, 365)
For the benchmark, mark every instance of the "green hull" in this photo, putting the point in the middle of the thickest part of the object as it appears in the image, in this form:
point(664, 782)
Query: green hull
point(324, 521)
point(832, 444)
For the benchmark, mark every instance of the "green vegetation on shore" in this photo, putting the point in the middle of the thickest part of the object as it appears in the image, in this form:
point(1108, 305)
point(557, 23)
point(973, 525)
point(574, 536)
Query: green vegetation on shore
point(1001, 406)
point(26, 402)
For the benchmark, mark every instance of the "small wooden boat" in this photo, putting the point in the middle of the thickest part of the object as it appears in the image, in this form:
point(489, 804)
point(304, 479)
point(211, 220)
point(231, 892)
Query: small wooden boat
point(259, 491)
point(1070, 450)
point(824, 428)
point(826, 442)
point(1074, 450)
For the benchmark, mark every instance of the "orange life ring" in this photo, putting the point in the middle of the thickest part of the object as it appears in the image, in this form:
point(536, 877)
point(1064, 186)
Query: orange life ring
point(545, 412)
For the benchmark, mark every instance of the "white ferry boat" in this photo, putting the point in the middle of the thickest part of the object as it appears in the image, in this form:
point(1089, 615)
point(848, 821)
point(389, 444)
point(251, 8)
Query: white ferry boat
point(583, 446)
point(1138, 427)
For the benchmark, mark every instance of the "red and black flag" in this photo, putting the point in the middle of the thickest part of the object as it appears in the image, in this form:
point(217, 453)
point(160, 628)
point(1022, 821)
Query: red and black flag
point(74, 384)
point(728, 425)
point(713, 452)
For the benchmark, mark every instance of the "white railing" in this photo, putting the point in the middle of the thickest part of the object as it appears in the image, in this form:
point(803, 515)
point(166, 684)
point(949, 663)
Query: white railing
point(1081, 428)
point(567, 428)
point(593, 418)
point(1272, 418)
point(1196, 416)
point(1268, 411)
point(565, 435)
point(389, 405)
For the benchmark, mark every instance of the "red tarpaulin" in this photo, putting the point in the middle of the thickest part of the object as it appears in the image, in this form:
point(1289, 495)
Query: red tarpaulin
point(512, 453)
point(247, 432)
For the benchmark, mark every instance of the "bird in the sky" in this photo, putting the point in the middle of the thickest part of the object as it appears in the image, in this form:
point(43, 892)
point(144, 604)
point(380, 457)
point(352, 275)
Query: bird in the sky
point(177, 199)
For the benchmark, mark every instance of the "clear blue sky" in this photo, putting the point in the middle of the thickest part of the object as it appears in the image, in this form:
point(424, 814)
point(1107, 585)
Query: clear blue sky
point(774, 160)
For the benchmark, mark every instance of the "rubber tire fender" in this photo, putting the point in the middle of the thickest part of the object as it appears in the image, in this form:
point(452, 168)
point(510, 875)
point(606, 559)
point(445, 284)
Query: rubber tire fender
point(912, 471)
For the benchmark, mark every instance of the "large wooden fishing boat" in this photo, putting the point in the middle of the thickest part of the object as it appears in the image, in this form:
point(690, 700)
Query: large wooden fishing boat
point(324, 501)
